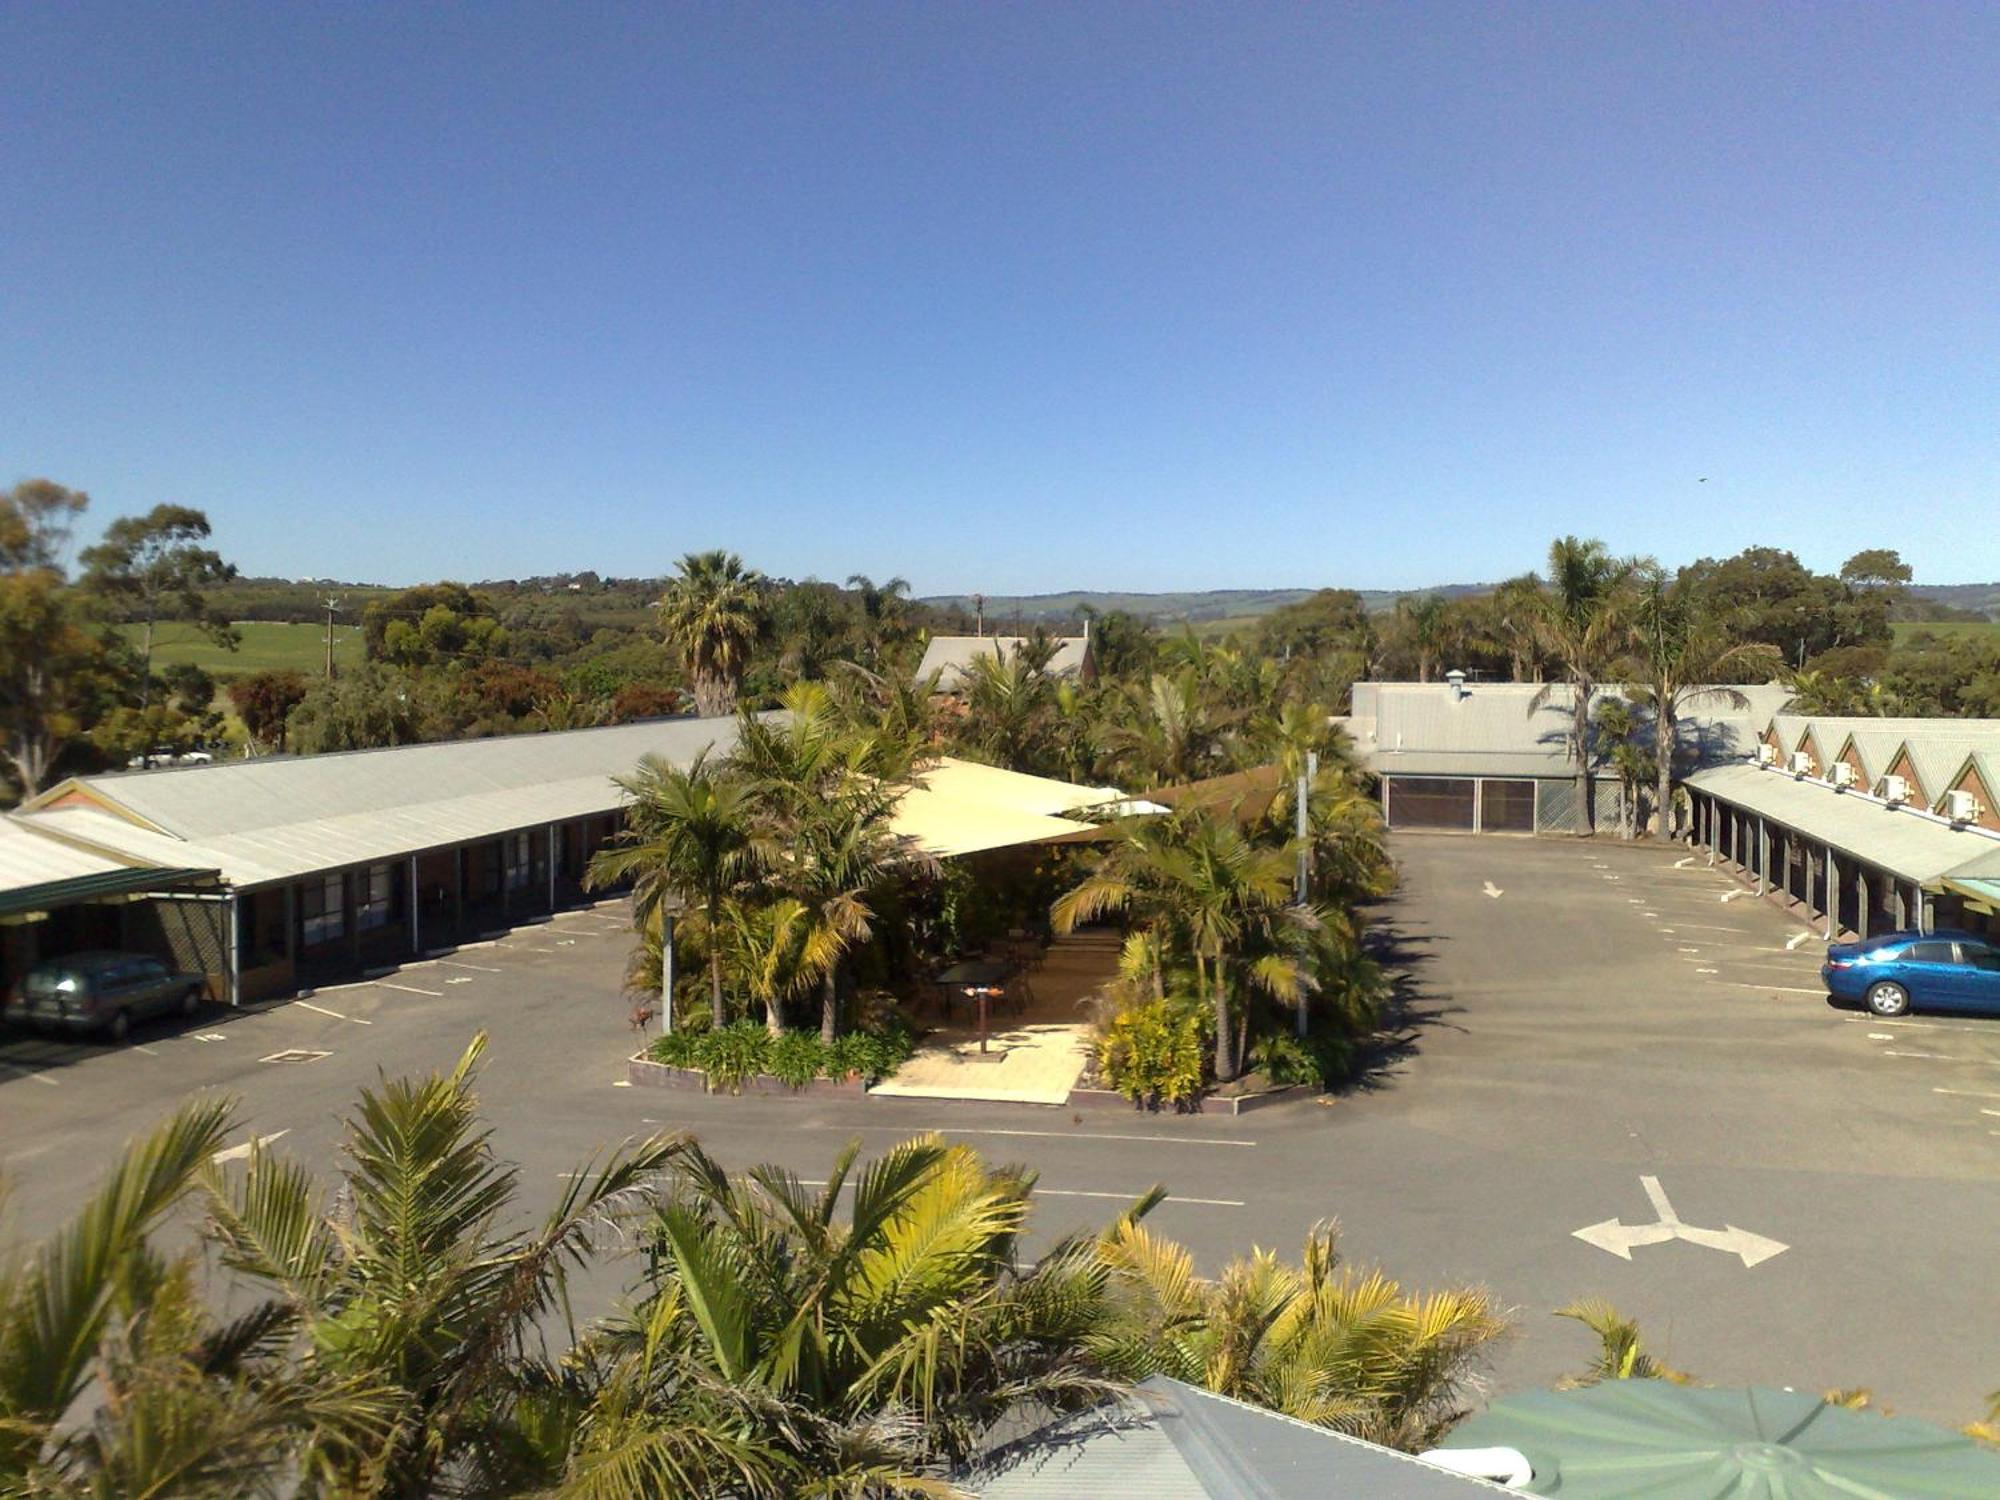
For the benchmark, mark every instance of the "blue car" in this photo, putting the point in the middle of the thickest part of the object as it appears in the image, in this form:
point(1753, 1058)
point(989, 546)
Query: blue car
point(1933, 970)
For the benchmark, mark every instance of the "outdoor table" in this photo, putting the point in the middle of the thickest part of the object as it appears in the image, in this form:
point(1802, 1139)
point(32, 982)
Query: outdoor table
point(979, 980)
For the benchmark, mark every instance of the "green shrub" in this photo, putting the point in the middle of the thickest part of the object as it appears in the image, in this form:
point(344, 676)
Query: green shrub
point(1157, 1053)
point(796, 1058)
point(1325, 1058)
point(746, 1049)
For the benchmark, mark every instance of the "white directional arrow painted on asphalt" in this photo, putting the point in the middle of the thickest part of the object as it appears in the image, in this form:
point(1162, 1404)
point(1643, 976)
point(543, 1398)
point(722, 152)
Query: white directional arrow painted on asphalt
point(1621, 1238)
point(242, 1152)
point(1492, 890)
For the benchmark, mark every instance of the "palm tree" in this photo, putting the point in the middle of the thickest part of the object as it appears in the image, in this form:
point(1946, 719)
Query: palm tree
point(1683, 652)
point(779, 948)
point(1583, 626)
point(713, 613)
point(826, 795)
point(1425, 624)
point(1010, 706)
point(413, 1283)
point(1169, 730)
point(1218, 898)
point(1621, 1355)
point(1616, 726)
point(687, 839)
point(885, 610)
point(1317, 1341)
point(881, 1346)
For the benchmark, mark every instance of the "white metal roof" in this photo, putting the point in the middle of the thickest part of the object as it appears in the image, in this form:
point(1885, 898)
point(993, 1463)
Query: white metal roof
point(28, 858)
point(1903, 841)
point(950, 655)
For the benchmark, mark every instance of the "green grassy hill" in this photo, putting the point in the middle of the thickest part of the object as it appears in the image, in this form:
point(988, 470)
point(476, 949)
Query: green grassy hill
point(268, 645)
point(1945, 628)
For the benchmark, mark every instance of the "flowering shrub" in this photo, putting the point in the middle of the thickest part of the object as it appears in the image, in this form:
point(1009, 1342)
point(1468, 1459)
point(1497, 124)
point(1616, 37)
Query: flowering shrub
point(1157, 1052)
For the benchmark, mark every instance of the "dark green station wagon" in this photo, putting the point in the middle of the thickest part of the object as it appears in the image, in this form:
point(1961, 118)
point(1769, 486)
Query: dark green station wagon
point(103, 992)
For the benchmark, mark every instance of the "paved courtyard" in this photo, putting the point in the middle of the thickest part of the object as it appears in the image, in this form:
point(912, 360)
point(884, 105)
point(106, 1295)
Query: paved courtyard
point(1591, 1032)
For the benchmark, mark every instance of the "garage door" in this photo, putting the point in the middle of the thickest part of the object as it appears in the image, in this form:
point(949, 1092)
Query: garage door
point(1429, 802)
point(1507, 806)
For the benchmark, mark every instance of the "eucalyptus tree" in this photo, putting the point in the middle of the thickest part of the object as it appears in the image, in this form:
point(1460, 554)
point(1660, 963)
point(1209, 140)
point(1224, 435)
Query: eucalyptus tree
point(157, 562)
point(687, 839)
point(1683, 651)
point(1584, 626)
point(713, 613)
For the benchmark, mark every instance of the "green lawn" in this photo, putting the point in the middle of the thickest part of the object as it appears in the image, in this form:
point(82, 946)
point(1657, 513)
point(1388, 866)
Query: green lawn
point(267, 646)
point(1944, 628)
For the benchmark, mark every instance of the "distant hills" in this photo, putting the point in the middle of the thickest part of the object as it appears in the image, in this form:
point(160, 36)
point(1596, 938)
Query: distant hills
point(1203, 605)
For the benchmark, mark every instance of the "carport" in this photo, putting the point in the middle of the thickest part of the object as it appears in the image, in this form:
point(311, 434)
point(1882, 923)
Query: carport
point(56, 898)
point(1842, 860)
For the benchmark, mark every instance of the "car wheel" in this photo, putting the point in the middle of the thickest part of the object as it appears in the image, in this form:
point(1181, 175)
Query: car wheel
point(120, 1026)
point(1886, 999)
point(191, 1002)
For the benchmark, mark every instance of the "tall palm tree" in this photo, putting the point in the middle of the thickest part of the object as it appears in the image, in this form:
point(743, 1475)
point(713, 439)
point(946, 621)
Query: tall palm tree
point(885, 614)
point(687, 839)
point(1010, 709)
point(1584, 626)
point(1683, 651)
point(1317, 1341)
point(713, 614)
point(1220, 899)
point(1169, 730)
point(826, 794)
point(413, 1282)
point(1425, 624)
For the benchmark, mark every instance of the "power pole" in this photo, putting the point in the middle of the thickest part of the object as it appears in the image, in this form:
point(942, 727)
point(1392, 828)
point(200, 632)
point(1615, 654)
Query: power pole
point(979, 614)
point(332, 603)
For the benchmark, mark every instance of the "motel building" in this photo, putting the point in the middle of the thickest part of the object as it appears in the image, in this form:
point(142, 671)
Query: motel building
point(1857, 826)
point(282, 873)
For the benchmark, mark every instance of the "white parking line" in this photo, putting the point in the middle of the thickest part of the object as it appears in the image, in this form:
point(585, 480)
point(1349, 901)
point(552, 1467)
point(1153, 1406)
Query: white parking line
point(1785, 989)
point(1965, 1093)
point(140, 1047)
point(1065, 1135)
point(1046, 1192)
point(1921, 1025)
point(1708, 971)
point(408, 989)
point(26, 1073)
point(1932, 1056)
point(481, 968)
point(322, 1010)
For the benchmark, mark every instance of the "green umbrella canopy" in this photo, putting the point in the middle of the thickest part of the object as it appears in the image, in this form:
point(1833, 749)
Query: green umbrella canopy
point(1652, 1440)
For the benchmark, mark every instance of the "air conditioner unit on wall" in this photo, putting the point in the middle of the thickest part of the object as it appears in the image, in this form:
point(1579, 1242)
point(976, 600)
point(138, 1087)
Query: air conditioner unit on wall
point(1895, 790)
point(1767, 755)
point(1801, 763)
point(1841, 774)
point(1961, 807)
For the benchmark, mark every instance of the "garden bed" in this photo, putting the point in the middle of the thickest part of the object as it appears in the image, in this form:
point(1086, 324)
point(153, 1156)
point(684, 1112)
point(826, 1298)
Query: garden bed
point(641, 1069)
point(1206, 1104)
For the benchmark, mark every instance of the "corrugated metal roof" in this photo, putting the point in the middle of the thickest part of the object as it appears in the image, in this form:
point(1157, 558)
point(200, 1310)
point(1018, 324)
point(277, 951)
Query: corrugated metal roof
point(950, 655)
point(959, 807)
point(38, 872)
point(1899, 840)
point(1176, 1442)
point(1495, 729)
point(200, 803)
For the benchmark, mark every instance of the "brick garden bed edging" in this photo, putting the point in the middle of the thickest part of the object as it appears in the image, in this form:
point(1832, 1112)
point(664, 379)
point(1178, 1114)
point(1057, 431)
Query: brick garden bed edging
point(1209, 1104)
point(642, 1070)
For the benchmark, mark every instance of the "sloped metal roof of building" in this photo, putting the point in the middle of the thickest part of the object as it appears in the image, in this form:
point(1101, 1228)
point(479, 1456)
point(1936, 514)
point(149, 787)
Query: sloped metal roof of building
point(1902, 841)
point(201, 803)
point(1177, 1442)
point(950, 655)
point(38, 872)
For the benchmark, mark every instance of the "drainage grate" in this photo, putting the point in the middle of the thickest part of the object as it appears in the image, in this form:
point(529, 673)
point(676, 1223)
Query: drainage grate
point(295, 1055)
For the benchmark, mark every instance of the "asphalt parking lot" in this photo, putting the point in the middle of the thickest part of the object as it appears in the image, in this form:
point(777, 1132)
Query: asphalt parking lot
point(1595, 1037)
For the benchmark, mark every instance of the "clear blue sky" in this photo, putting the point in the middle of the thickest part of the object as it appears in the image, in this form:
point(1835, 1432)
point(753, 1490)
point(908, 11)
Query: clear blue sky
point(1009, 297)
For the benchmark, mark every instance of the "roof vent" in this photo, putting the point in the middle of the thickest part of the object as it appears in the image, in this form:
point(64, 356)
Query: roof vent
point(1457, 680)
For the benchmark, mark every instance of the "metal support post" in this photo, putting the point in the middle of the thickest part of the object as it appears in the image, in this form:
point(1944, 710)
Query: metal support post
point(416, 909)
point(1832, 893)
point(667, 971)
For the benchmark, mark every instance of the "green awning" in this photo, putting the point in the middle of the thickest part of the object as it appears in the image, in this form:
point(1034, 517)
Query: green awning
point(1629, 1438)
point(95, 887)
point(1981, 893)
